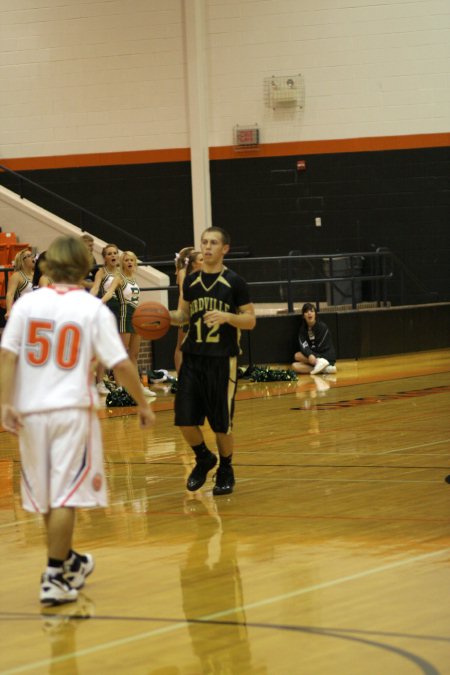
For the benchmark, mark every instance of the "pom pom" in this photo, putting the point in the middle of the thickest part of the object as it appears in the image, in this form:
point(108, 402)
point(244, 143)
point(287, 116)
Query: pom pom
point(266, 374)
point(118, 397)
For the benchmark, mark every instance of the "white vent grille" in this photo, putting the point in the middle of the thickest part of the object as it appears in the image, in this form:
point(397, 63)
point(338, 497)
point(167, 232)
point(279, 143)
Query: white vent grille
point(285, 91)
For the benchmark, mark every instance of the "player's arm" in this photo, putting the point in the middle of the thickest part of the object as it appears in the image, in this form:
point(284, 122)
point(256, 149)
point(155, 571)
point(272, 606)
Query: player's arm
point(125, 372)
point(13, 282)
point(180, 316)
point(11, 420)
point(111, 290)
point(97, 281)
point(244, 320)
point(180, 280)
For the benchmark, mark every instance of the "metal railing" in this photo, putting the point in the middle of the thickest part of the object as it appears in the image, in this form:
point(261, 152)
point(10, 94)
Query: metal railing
point(286, 286)
point(379, 275)
point(381, 262)
point(405, 274)
point(316, 277)
point(83, 217)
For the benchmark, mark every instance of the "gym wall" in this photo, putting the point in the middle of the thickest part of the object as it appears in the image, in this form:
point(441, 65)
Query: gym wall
point(94, 106)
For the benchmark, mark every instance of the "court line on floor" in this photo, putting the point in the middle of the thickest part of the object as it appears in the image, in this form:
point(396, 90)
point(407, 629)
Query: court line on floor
point(350, 635)
point(166, 405)
point(113, 644)
point(247, 480)
point(32, 519)
point(413, 447)
point(329, 479)
point(157, 462)
point(180, 492)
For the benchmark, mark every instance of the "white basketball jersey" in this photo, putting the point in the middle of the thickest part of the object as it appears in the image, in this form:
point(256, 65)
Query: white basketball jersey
point(57, 332)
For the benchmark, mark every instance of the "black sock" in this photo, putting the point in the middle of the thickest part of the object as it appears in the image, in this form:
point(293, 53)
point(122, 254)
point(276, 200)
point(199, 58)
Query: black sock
point(200, 450)
point(54, 566)
point(226, 461)
point(72, 553)
point(54, 562)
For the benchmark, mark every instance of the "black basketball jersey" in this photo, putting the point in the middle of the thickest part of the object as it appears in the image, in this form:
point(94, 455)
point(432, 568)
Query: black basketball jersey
point(225, 291)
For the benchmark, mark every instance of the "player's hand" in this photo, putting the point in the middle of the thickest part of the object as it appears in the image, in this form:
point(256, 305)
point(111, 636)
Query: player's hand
point(215, 318)
point(146, 417)
point(11, 420)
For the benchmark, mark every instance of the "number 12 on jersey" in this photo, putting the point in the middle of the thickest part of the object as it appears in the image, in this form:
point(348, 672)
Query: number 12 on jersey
point(211, 336)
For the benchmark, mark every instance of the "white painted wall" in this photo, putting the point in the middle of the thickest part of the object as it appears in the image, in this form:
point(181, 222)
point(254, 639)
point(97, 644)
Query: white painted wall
point(84, 76)
point(38, 228)
point(79, 76)
point(370, 68)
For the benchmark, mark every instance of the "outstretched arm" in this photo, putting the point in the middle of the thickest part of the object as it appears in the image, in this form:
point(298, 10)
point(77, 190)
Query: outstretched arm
point(97, 281)
point(111, 290)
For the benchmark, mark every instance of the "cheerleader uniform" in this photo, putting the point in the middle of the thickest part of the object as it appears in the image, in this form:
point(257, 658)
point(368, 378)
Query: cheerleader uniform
point(113, 303)
point(128, 294)
point(24, 286)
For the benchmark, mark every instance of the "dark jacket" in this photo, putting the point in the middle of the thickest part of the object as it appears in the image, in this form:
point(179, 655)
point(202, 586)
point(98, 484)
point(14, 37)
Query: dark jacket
point(319, 344)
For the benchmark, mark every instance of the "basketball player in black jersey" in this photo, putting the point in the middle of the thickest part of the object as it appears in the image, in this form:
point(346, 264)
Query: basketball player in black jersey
point(216, 305)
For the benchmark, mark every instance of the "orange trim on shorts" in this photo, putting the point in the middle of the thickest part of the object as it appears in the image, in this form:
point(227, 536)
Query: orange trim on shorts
point(27, 487)
point(329, 146)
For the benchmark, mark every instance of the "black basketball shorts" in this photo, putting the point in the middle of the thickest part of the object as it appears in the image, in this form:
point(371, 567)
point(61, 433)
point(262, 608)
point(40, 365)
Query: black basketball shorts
point(206, 389)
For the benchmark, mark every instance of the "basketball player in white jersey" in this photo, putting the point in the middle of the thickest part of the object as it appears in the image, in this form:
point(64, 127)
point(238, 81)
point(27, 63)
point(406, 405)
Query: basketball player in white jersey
point(48, 352)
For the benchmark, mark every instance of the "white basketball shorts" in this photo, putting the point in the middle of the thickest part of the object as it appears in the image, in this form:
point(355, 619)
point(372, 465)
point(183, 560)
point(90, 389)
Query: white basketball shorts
point(62, 460)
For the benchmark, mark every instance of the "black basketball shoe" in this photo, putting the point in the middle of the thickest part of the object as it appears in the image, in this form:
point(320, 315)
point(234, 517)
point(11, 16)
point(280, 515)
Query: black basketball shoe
point(224, 480)
point(198, 474)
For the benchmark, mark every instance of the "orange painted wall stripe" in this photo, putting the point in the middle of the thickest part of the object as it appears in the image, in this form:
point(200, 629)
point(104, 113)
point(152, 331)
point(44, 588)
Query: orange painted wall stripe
point(333, 146)
point(371, 144)
point(98, 159)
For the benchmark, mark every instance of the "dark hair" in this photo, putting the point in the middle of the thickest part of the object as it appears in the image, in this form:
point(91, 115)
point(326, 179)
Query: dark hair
point(181, 258)
point(308, 307)
point(191, 259)
point(107, 246)
point(224, 234)
point(37, 269)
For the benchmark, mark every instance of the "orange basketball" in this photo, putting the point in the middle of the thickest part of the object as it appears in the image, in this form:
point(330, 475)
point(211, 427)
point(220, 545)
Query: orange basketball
point(151, 320)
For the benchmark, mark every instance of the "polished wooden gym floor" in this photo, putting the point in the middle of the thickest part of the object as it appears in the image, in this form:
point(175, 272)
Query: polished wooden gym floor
point(332, 557)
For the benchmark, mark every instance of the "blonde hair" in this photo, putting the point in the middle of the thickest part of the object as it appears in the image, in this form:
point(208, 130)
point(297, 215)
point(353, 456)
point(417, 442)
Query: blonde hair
point(86, 237)
point(66, 260)
point(130, 254)
point(18, 260)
